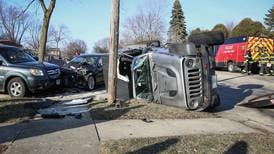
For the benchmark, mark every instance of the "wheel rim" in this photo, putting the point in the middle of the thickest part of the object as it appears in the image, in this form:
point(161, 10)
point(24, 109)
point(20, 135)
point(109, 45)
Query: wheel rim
point(16, 89)
point(230, 67)
point(91, 83)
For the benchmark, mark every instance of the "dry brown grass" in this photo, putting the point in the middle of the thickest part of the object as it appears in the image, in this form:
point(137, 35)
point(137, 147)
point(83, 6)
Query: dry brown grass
point(229, 144)
point(136, 109)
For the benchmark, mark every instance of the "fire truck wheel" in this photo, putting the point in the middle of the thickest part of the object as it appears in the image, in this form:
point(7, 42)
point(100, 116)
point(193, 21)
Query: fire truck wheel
point(230, 67)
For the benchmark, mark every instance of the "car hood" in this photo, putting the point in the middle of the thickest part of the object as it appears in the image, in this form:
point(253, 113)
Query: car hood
point(37, 65)
point(79, 65)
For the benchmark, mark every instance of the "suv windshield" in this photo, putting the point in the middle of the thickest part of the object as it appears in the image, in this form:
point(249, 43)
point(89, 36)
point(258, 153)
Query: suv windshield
point(90, 60)
point(14, 56)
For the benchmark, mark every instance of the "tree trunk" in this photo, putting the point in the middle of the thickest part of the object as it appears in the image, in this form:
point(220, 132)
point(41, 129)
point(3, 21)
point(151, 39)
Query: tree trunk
point(113, 54)
point(45, 27)
point(43, 39)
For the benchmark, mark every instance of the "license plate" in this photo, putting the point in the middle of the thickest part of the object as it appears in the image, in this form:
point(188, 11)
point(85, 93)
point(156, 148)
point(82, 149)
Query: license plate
point(58, 82)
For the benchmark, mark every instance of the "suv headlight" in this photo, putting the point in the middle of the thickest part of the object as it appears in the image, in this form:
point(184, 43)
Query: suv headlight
point(36, 72)
point(190, 63)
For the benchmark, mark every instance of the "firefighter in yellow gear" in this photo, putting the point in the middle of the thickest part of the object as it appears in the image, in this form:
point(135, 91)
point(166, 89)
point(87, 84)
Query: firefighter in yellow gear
point(270, 64)
point(264, 59)
point(248, 63)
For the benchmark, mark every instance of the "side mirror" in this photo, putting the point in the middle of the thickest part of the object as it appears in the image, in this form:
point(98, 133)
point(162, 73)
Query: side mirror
point(36, 58)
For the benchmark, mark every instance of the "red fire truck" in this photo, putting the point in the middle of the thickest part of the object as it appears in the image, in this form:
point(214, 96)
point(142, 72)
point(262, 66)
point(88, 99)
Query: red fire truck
point(231, 54)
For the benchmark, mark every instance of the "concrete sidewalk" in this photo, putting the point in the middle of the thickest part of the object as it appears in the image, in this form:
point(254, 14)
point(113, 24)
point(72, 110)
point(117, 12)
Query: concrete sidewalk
point(122, 129)
point(68, 135)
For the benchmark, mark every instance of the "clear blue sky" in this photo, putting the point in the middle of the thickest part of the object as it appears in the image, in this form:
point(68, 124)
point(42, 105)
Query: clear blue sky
point(89, 20)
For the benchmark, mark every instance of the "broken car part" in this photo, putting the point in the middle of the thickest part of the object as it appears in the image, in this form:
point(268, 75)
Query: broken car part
point(260, 101)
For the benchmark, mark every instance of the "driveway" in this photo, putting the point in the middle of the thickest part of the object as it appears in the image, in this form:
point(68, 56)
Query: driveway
point(235, 88)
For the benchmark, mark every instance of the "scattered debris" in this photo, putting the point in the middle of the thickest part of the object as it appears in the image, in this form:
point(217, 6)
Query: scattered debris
point(52, 116)
point(147, 120)
point(77, 115)
point(67, 108)
point(260, 101)
point(78, 101)
point(3, 148)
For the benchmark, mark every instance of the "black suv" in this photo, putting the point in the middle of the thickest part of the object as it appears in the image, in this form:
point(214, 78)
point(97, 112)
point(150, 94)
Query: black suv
point(88, 69)
point(21, 73)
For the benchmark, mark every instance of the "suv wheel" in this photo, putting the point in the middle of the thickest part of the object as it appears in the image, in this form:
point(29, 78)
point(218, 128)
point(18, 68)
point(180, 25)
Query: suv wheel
point(230, 67)
point(91, 83)
point(17, 87)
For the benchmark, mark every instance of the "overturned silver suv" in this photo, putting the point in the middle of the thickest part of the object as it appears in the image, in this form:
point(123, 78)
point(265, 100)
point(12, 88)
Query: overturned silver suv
point(181, 75)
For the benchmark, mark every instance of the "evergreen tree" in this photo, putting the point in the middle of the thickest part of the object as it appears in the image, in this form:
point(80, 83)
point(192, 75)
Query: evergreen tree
point(177, 29)
point(198, 30)
point(221, 28)
point(269, 19)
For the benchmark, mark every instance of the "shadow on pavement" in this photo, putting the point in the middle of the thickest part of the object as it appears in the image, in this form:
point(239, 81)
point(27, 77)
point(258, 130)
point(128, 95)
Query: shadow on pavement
point(232, 96)
point(242, 76)
point(157, 147)
point(33, 128)
point(21, 110)
point(238, 147)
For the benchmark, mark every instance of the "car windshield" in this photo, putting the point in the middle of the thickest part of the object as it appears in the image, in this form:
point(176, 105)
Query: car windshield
point(14, 56)
point(90, 60)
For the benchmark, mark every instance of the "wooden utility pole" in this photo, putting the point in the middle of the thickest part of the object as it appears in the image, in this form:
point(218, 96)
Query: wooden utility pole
point(113, 52)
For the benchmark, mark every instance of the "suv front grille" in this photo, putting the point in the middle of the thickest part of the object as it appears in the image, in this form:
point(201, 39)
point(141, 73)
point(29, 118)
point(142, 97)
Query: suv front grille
point(54, 73)
point(193, 81)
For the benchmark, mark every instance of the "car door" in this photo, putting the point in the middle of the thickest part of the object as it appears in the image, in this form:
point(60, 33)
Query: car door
point(3, 73)
point(99, 66)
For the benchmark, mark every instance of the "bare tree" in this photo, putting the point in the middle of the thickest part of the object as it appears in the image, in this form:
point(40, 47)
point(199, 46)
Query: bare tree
point(75, 48)
point(45, 26)
point(33, 37)
point(14, 22)
point(230, 26)
point(32, 40)
point(58, 35)
point(146, 25)
point(102, 46)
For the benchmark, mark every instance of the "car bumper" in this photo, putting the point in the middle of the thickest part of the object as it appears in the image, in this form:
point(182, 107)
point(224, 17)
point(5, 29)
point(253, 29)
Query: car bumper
point(41, 83)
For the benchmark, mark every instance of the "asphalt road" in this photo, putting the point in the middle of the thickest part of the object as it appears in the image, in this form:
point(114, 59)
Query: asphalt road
point(235, 88)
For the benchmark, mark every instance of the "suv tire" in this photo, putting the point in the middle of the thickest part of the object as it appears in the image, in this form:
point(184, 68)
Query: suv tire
point(16, 87)
point(91, 83)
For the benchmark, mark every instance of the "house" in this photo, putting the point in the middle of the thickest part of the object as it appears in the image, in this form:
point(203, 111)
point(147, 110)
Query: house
point(10, 43)
point(54, 53)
